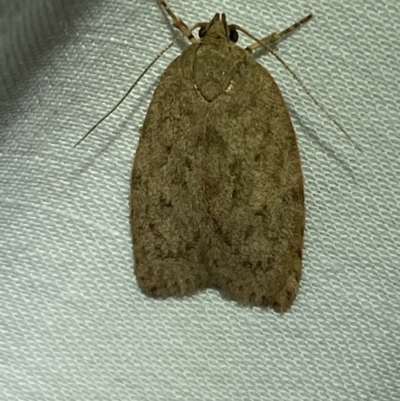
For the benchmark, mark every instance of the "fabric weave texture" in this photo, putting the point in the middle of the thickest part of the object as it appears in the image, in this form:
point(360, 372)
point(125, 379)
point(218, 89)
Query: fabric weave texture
point(73, 323)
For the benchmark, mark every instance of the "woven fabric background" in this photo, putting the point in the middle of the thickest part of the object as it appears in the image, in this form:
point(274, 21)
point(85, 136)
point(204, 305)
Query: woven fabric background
point(73, 324)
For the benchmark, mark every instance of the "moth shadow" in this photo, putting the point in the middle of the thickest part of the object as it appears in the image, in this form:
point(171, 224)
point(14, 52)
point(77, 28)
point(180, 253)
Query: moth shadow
point(183, 42)
point(90, 161)
point(262, 51)
point(317, 139)
point(216, 290)
point(261, 308)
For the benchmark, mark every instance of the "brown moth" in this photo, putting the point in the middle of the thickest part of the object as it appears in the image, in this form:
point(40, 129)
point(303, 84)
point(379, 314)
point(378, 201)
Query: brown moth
point(217, 192)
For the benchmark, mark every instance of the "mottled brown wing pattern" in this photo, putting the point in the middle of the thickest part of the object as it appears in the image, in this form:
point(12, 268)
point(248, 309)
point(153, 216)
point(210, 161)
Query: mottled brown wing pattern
point(217, 193)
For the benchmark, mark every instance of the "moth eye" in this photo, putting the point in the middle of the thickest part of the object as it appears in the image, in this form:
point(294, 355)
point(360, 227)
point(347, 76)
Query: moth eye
point(233, 35)
point(202, 32)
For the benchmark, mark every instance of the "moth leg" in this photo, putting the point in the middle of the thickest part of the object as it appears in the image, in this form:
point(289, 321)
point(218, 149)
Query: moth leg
point(276, 37)
point(177, 22)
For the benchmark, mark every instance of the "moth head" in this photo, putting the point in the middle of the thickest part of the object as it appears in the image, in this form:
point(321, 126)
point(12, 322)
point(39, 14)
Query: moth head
point(217, 28)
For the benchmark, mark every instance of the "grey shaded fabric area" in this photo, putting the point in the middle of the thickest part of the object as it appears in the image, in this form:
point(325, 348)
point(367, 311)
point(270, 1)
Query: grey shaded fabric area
point(73, 324)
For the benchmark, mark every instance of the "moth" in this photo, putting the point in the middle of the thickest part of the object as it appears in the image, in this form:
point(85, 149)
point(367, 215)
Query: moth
point(217, 189)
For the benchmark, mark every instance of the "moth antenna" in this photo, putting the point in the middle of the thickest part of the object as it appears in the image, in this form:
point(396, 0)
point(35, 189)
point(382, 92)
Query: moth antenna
point(298, 79)
point(177, 22)
point(313, 98)
point(128, 92)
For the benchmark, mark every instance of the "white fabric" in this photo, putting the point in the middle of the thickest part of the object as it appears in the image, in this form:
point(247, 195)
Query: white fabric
point(73, 324)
